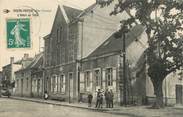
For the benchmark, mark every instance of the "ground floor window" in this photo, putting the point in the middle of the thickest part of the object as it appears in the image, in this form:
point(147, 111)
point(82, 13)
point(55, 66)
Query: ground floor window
point(62, 83)
point(27, 80)
point(109, 77)
point(87, 78)
point(39, 86)
point(97, 77)
point(54, 83)
point(34, 85)
point(17, 84)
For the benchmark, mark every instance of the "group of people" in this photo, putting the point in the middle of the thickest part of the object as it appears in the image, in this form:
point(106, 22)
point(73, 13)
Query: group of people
point(99, 101)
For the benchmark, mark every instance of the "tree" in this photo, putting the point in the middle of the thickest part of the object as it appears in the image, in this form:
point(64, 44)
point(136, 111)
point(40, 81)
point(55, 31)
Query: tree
point(163, 20)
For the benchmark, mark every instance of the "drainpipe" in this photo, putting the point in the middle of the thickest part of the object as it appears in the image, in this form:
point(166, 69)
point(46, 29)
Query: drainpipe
point(79, 62)
point(68, 74)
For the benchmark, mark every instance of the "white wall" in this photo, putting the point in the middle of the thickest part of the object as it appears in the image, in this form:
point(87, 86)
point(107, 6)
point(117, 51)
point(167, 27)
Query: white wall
point(97, 27)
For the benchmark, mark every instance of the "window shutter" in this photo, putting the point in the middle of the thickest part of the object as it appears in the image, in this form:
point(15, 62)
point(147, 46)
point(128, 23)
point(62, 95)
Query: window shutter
point(104, 79)
point(114, 77)
point(64, 84)
point(82, 83)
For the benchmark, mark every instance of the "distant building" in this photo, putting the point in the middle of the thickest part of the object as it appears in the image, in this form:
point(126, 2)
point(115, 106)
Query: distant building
point(37, 76)
point(9, 70)
point(29, 79)
point(1, 76)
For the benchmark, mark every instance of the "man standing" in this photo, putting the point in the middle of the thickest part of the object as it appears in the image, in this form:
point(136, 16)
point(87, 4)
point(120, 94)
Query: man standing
point(107, 98)
point(111, 97)
point(98, 99)
point(101, 100)
point(90, 97)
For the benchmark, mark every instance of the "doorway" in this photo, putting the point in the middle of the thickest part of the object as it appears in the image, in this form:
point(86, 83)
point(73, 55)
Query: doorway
point(71, 90)
point(22, 87)
point(179, 94)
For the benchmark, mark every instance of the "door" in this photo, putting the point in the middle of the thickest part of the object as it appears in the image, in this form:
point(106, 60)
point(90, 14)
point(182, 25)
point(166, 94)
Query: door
point(38, 88)
point(71, 96)
point(179, 94)
point(21, 87)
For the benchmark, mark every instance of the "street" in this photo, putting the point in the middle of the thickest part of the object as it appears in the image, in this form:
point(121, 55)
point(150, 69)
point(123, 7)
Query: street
point(19, 108)
point(16, 108)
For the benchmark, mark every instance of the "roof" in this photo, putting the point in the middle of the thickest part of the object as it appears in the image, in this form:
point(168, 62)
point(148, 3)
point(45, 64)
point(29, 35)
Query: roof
point(35, 63)
point(8, 65)
point(72, 13)
point(38, 62)
point(113, 44)
point(47, 36)
point(88, 9)
point(20, 61)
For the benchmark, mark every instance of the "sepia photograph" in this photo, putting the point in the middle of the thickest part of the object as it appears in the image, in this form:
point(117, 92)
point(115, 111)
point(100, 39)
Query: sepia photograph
point(91, 58)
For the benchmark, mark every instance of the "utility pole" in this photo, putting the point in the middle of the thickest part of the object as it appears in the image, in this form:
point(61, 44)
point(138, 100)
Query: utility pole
point(123, 78)
point(124, 70)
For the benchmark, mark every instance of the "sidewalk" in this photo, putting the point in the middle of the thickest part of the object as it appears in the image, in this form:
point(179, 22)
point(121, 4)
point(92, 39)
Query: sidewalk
point(130, 111)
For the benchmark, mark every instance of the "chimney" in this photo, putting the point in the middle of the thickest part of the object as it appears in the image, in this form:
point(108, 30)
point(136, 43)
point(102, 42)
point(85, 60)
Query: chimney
point(26, 56)
point(11, 60)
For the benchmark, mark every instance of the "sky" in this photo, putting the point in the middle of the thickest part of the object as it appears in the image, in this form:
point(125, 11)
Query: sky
point(40, 25)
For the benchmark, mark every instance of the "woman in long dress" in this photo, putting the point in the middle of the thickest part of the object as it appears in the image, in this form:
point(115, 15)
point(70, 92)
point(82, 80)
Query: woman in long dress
point(16, 32)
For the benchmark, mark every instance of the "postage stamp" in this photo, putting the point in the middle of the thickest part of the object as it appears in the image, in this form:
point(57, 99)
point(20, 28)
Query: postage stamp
point(18, 33)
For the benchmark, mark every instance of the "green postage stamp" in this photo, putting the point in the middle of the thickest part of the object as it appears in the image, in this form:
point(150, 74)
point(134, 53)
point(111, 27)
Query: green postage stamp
point(18, 33)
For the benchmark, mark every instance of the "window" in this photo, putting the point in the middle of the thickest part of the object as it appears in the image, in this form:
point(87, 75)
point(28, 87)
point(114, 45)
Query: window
point(87, 79)
point(17, 84)
point(22, 74)
point(62, 83)
point(59, 85)
point(27, 83)
point(62, 58)
point(35, 85)
point(109, 78)
point(97, 77)
point(53, 83)
point(59, 34)
point(38, 85)
point(71, 52)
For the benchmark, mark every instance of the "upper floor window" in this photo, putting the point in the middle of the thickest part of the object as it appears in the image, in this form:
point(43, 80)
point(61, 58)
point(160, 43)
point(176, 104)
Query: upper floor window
point(62, 57)
point(59, 34)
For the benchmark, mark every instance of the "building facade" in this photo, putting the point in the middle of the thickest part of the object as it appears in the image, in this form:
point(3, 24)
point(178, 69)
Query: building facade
point(10, 69)
point(29, 79)
point(1, 77)
point(102, 69)
point(37, 81)
point(75, 34)
point(60, 56)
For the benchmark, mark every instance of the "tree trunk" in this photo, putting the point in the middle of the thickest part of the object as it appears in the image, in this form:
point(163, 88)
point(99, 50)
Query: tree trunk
point(158, 91)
